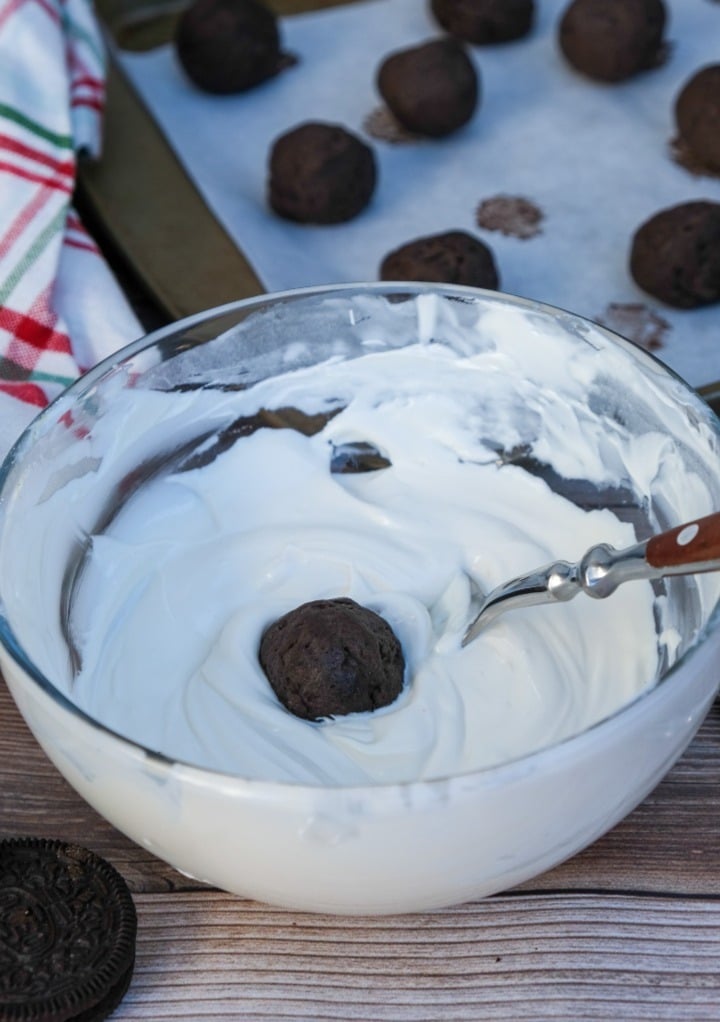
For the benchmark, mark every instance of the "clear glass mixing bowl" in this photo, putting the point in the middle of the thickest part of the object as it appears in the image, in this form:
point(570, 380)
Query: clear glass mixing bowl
point(375, 848)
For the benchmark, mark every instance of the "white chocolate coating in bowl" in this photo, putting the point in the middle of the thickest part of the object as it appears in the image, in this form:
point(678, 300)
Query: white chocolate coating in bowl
point(180, 587)
point(607, 422)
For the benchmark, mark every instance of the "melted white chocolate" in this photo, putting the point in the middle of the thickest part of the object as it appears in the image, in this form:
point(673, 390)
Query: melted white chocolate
point(176, 593)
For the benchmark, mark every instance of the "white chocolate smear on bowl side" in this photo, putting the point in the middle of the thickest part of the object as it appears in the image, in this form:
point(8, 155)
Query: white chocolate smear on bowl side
point(176, 593)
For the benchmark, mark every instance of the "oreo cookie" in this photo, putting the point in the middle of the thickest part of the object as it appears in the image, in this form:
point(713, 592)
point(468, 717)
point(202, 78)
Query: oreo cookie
point(67, 933)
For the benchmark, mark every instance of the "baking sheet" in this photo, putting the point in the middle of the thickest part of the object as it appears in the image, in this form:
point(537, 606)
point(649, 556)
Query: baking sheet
point(596, 159)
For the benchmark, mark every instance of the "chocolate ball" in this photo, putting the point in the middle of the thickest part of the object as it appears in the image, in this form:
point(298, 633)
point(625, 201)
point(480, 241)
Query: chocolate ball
point(320, 174)
point(611, 40)
point(451, 258)
point(430, 89)
point(227, 46)
point(329, 658)
point(675, 255)
point(697, 114)
point(485, 21)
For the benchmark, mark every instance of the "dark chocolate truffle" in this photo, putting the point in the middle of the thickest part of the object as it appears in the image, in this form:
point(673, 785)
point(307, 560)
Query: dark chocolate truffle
point(451, 258)
point(697, 114)
point(320, 174)
point(67, 933)
point(332, 657)
point(431, 89)
point(227, 46)
point(485, 21)
point(613, 39)
point(675, 255)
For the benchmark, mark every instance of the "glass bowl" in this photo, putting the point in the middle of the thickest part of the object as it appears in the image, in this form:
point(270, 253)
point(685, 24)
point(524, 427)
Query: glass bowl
point(583, 421)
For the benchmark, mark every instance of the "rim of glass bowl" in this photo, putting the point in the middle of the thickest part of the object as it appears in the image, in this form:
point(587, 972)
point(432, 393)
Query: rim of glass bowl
point(411, 288)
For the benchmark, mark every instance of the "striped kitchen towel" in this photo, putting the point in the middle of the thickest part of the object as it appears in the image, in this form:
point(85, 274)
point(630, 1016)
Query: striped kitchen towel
point(60, 307)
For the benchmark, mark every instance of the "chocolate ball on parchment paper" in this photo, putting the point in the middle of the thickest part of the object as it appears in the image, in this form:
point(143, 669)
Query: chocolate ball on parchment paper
point(485, 21)
point(320, 174)
point(697, 115)
point(431, 89)
point(454, 257)
point(228, 46)
point(611, 40)
point(675, 255)
point(332, 657)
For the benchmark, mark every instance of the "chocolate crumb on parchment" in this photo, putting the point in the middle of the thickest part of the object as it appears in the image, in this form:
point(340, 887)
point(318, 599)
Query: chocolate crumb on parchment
point(638, 323)
point(381, 125)
point(512, 215)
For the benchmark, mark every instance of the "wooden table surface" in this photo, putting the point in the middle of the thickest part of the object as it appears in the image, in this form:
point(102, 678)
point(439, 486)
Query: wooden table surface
point(628, 929)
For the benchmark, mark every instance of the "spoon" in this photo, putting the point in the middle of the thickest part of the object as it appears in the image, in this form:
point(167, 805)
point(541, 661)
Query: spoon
point(684, 550)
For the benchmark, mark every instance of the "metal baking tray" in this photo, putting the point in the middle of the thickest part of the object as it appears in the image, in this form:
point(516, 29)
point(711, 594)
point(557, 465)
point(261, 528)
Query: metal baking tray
point(138, 198)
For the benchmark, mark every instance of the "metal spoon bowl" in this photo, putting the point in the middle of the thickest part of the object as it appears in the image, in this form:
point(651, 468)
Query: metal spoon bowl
point(684, 550)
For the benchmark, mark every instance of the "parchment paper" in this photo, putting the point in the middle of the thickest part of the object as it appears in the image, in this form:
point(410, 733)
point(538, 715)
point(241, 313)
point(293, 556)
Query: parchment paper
point(595, 158)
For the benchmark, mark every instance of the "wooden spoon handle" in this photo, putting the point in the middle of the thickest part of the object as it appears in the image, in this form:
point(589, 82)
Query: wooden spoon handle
point(696, 542)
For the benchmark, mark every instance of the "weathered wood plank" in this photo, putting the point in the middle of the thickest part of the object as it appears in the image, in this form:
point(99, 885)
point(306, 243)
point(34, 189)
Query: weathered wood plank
point(213, 957)
point(671, 843)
